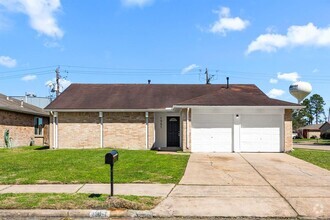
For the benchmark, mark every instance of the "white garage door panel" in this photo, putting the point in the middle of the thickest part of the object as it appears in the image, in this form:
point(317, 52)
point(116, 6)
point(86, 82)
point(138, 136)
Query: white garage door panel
point(260, 133)
point(211, 133)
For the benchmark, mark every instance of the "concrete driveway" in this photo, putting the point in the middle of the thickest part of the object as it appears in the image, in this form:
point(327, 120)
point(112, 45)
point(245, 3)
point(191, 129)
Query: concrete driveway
point(259, 185)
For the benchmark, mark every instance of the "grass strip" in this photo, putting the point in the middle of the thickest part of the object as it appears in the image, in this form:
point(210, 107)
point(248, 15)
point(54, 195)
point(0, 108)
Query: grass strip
point(75, 201)
point(318, 157)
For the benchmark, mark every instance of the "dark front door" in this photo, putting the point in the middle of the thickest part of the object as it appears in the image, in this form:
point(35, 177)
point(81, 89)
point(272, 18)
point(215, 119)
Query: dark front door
point(173, 131)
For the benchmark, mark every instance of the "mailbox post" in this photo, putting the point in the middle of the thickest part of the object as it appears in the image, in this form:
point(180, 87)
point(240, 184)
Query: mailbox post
point(111, 158)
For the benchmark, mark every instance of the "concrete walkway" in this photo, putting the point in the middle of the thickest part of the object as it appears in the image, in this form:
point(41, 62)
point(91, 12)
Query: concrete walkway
point(161, 190)
point(249, 185)
point(312, 146)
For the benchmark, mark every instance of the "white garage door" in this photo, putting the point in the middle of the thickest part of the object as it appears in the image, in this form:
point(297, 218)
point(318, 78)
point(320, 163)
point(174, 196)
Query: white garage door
point(211, 132)
point(260, 133)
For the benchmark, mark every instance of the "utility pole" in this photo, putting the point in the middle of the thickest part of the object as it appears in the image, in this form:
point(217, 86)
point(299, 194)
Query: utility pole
point(58, 76)
point(207, 78)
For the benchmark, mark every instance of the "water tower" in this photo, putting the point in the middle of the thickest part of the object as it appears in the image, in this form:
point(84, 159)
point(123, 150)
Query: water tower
point(300, 90)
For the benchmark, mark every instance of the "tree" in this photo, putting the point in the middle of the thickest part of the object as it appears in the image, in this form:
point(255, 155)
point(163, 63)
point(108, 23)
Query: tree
point(307, 111)
point(317, 107)
point(314, 108)
point(298, 119)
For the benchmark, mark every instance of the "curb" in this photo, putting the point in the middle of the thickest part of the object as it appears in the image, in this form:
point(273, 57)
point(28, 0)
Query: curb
point(49, 213)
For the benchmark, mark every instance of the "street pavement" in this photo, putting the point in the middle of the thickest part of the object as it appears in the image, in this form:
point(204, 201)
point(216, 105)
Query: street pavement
point(311, 146)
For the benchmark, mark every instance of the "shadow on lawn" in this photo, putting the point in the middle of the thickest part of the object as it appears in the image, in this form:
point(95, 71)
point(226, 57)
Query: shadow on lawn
point(94, 195)
point(42, 148)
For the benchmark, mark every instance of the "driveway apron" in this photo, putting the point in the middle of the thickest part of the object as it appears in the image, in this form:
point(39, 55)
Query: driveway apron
point(253, 184)
point(305, 186)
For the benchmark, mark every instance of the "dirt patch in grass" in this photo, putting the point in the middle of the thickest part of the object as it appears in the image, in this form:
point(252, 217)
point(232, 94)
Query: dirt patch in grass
point(75, 201)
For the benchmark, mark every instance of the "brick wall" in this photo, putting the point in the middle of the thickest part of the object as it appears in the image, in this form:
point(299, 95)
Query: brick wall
point(21, 129)
point(151, 125)
point(125, 130)
point(78, 130)
point(186, 135)
point(288, 144)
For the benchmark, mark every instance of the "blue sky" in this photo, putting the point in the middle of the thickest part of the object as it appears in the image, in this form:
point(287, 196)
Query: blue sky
point(267, 43)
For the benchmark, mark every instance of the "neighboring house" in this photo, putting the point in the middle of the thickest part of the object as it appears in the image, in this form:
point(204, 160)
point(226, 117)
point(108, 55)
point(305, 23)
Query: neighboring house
point(325, 130)
point(26, 123)
point(197, 118)
point(310, 131)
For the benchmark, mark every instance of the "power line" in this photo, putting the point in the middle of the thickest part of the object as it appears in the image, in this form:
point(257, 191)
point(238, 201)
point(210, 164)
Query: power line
point(27, 69)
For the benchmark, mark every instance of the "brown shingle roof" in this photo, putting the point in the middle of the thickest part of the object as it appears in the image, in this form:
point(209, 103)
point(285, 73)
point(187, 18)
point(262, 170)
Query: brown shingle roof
point(311, 127)
point(14, 105)
point(159, 96)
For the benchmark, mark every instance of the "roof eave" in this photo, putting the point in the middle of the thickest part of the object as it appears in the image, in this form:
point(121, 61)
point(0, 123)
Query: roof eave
point(25, 112)
point(238, 106)
point(110, 110)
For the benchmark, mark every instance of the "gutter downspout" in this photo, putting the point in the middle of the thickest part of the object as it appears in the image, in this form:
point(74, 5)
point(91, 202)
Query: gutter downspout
point(147, 130)
point(55, 127)
point(101, 128)
point(187, 130)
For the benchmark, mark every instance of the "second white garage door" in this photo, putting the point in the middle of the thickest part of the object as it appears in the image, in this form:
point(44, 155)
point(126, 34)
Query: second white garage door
point(260, 133)
point(211, 132)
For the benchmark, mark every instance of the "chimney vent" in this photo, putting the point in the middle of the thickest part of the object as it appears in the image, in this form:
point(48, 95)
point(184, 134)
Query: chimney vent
point(149, 81)
point(227, 82)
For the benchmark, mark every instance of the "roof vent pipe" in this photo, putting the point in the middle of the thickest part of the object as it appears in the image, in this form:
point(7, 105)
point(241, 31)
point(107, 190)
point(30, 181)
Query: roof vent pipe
point(149, 81)
point(227, 82)
point(22, 103)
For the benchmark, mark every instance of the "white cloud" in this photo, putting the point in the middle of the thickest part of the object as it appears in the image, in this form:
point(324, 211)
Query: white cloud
point(293, 77)
point(189, 68)
point(7, 61)
point(5, 24)
point(316, 70)
point(227, 23)
point(64, 83)
point(273, 81)
point(139, 3)
point(41, 14)
point(274, 93)
point(53, 44)
point(29, 77)
point(306, 35)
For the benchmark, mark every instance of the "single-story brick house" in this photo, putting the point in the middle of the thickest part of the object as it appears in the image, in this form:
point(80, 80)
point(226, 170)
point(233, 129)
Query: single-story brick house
point(26, 123)
point(196, 118)
point(309, 131)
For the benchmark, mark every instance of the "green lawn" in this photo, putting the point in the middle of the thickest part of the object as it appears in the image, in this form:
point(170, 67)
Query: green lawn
point(75, 201)
point(317, 157)
point(30, 165)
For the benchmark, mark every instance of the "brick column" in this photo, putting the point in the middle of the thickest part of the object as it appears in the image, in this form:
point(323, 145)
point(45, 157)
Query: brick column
point(186, 125)
point(288, 145)
point(151, 130)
